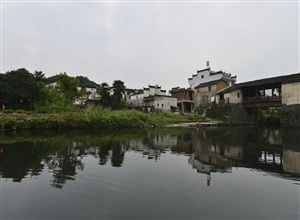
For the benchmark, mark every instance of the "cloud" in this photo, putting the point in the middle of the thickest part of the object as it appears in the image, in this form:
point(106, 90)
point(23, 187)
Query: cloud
point(145, 43)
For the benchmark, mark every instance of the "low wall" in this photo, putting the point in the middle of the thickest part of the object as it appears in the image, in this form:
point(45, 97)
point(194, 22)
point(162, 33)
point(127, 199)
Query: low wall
point(237, 114)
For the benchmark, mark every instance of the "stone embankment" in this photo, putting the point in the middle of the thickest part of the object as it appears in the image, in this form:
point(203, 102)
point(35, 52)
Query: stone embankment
point(209, 123)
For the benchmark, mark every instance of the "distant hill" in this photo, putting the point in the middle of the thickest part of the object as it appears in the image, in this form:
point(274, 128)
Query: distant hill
point(83, 81)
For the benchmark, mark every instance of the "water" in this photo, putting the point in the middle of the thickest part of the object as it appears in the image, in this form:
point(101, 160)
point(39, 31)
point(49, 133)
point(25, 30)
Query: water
point(211, 173)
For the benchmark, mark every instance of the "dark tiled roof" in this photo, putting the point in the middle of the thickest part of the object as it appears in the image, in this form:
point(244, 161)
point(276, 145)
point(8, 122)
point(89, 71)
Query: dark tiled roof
point(154, 86)
point(177, 89)
point(214, 82)
point(198, 71)
point(151, 97)
point(267, 81)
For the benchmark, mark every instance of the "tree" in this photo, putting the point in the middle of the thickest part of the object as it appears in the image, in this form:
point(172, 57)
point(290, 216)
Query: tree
point(85, 82)
point(118, 91)
point(39, 76)
point(19, 88)
point(69, 87)
point(104, 91)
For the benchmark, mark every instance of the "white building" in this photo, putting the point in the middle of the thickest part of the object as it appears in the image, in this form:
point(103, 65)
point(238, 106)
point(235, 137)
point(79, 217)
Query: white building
point(154, 97)
point(138, 97)
point(207, 75)
point(161, 102)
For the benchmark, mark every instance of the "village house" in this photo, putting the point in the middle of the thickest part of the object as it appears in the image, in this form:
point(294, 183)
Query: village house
point(153, 98)
point(185, 99)
point(207, 75)
point(205, 93)
point(205, 84)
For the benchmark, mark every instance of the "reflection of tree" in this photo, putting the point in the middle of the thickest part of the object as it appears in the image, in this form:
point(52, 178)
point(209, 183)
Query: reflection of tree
point(21, 159)
point(117, 155)
point(64, 167)
point(104, 154)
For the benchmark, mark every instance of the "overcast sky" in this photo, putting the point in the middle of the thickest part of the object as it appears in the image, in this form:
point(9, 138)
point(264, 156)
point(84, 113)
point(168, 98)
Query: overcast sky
point(150, 42)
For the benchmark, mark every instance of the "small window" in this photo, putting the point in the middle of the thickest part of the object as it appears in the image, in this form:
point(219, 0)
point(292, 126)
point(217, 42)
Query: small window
point(202, 76)
point(209, 88)
point(157, 104)
point(162, 105)
point(238, 95)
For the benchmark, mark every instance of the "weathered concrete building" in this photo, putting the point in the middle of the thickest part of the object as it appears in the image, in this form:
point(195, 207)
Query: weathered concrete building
point(205, 93)
point(185, 98)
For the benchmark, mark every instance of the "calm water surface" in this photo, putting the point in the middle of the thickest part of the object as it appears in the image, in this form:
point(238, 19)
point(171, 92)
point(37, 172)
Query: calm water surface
point(211, 173)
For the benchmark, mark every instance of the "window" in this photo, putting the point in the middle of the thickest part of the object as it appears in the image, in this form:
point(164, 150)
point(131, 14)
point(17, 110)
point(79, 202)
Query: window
point(162, 105)
point(209, 88)
point(238, 95)
point(202, 76)
point(157, 104)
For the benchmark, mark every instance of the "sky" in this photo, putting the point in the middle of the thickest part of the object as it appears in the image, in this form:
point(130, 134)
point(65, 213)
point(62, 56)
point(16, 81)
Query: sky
point(150, 42)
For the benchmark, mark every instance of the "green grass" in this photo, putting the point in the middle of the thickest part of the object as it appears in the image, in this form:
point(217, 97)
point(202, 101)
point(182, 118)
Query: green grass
point(95, 118)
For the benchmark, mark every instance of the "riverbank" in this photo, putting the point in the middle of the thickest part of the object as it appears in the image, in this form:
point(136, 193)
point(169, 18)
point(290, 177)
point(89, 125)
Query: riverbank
point(91, 119)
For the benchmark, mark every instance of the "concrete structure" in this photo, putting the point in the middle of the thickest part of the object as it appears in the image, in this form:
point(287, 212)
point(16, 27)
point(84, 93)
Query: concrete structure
point(185, 98)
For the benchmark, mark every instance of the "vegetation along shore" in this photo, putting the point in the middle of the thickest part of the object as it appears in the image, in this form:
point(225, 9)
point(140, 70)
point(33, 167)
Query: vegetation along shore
point(93, 119)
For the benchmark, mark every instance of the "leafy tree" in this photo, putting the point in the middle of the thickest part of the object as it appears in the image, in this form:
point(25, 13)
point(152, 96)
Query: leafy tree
point(118, 92)
point(51, 79)
point(69, 87)
point(85, 82)
point(18, 88)
point(104, 91)
point(51, 101)
point(39, 76)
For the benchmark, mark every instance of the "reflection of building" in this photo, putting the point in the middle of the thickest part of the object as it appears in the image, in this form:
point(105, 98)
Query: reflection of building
point(207, 169)
point(150, 150)
point(291, 161)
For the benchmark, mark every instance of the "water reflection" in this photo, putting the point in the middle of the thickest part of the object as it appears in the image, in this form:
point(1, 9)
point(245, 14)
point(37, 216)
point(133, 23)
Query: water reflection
point(208, 150)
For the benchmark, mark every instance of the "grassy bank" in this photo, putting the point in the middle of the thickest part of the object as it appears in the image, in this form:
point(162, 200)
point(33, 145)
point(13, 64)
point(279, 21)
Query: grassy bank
point(91, 118)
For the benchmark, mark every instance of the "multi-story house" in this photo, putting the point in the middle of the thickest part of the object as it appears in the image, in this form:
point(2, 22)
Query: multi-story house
point(207, 75)
point(185, 98)
point(206, 83)
point(155, 98)
point(205, 93)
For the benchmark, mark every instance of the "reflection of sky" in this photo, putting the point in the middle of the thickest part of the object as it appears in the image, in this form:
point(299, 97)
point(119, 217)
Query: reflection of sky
point(141, 189)
point(270, 158)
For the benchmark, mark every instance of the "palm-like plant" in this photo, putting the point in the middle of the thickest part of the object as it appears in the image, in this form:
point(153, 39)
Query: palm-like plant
point(104, 92)
point(39, 76)
point(118, 89)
